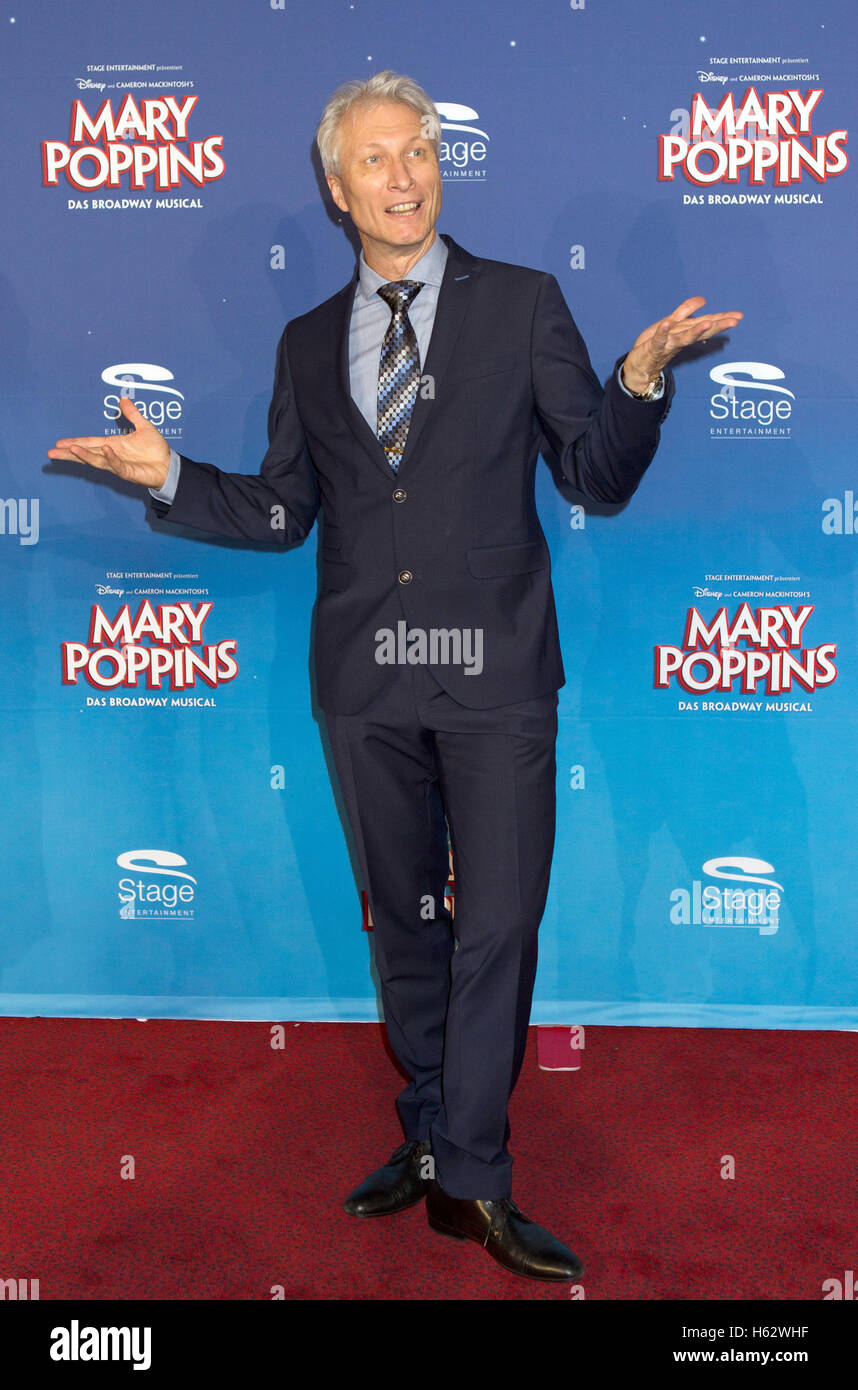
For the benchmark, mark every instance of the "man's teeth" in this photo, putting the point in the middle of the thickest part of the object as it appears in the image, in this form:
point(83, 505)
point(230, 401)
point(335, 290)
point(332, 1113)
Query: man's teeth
point(403, 207)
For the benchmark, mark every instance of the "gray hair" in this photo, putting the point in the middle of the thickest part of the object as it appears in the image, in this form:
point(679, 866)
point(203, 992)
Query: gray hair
point(383, 86)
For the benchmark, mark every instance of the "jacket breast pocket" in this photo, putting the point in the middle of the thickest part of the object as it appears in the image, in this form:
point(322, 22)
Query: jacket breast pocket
point(485, 366)
point(494, 561)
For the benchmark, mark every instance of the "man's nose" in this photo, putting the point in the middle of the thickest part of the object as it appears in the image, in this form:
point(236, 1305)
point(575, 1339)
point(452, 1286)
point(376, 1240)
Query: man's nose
point(400, 175)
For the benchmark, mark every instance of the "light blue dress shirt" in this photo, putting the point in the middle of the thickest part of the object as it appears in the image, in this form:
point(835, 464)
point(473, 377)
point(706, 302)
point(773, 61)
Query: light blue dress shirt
point(371, 316)
point(369, 321)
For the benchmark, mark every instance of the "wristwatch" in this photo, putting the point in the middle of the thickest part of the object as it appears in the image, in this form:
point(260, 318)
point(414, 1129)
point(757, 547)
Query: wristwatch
point(651, 391)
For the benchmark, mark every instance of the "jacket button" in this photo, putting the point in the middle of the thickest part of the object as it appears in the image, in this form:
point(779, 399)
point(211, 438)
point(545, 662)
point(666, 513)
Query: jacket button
point(399, 495)
point(405, 576)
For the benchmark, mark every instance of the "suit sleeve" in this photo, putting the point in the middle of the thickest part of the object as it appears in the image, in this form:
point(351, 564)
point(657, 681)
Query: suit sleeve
point(604, 439)
point(279, 504)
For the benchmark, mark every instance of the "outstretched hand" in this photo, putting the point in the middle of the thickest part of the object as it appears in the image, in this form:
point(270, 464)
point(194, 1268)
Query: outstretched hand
point(139, 457)
point(663, 340)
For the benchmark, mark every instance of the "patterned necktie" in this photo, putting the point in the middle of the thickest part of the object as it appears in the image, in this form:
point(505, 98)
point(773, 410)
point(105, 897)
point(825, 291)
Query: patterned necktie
point(398, 370)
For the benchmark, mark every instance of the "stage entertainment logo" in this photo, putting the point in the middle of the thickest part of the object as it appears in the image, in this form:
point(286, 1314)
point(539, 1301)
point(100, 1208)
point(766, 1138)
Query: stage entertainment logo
point(145, 384)
point(749, 402)
point(708, 905)
point(156, 885)
point(463, 145)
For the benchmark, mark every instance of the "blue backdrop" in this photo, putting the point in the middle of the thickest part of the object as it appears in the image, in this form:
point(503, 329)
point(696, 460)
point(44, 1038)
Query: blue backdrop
point(175, 849)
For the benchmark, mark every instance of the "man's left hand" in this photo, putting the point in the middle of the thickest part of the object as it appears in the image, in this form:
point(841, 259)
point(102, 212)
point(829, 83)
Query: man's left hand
point(663, 340)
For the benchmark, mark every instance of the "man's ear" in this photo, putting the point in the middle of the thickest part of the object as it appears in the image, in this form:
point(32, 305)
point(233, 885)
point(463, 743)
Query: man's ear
point(337, 192)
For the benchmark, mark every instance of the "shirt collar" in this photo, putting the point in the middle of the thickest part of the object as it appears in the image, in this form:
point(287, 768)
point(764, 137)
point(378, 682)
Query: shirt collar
point(429, 270)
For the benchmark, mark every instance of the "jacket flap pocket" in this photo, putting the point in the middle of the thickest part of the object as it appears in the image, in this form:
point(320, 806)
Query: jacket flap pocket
point(492, 561)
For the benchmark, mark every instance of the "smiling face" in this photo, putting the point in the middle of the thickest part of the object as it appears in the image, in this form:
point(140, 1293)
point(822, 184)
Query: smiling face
point(389, 182)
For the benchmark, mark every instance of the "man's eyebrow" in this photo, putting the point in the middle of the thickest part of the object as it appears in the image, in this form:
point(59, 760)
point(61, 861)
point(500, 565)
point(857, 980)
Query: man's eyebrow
point(376, 145)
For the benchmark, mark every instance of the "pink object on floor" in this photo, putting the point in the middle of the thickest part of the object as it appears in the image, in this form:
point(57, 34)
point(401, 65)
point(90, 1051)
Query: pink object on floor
point(559, 1049)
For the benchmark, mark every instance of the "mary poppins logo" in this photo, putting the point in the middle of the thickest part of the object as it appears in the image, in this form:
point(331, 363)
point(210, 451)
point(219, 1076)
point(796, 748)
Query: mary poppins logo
point(145, 142)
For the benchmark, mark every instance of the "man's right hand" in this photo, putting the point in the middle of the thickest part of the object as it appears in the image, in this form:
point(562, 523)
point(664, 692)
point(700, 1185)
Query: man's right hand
point(139, 457)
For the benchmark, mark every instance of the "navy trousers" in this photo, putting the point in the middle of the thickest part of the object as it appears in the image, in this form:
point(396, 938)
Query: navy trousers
point(456, 993)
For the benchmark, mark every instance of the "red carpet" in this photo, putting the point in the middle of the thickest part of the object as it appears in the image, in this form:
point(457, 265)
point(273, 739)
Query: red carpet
point(244, 1154)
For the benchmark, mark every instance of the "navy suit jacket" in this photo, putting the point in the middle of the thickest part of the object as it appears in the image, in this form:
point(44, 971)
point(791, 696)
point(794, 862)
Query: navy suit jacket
point(453, 540)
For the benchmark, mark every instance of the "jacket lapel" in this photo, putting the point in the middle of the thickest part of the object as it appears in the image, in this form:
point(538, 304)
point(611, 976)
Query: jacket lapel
point(453, 299)
point(460, 272)
point(353, 416)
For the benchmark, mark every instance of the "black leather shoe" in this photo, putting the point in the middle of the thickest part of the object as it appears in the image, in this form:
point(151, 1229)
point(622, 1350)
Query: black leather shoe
point(507, 1234)
point(394, 1187)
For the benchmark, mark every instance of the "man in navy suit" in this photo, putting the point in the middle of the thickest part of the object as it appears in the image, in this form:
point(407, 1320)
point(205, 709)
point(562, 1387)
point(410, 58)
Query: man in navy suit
point(410, 409)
